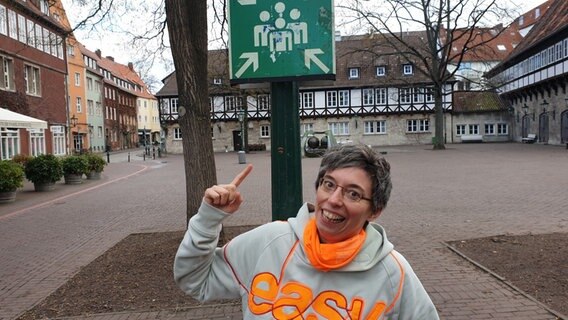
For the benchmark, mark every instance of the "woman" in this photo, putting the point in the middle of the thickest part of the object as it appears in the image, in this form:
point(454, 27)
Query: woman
point(328, 262)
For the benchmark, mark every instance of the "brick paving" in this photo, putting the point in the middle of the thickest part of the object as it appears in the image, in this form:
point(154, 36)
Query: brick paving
point(467, 191)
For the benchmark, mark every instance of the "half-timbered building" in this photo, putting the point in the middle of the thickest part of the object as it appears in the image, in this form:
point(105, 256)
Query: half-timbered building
point(534, 79)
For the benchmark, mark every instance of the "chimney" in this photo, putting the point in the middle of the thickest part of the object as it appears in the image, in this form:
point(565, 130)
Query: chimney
point(111, 58)
point(131, 66)
point(98, 52)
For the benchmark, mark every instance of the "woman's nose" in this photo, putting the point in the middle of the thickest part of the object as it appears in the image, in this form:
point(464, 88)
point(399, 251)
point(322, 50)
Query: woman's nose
point(336, 196)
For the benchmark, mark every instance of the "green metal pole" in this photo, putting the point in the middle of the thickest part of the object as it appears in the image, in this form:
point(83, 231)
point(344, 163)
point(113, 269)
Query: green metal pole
point(285, 150)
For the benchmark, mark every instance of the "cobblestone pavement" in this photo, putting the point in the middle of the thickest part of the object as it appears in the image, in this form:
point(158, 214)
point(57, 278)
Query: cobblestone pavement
point(467, 191)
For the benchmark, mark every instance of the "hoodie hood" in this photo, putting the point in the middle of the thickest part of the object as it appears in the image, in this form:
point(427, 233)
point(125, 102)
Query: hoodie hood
point(375, 247)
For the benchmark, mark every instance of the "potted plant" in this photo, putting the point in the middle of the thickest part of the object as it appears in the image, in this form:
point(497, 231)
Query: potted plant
point(44, 170)
point(11, 178)
point(74, 166)
point(96, 165)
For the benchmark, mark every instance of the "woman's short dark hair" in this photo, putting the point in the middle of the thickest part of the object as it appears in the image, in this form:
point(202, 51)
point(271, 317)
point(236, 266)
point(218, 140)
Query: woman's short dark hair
point(364, 157)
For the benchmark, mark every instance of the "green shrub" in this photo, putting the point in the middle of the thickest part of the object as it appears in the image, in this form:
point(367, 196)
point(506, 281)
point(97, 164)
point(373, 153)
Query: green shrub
point(95, 162)
point(75, 164)
point(11, 176)
point(45, 168)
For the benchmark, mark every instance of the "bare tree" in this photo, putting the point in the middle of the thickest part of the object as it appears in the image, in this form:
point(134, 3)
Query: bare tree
point(453, 29)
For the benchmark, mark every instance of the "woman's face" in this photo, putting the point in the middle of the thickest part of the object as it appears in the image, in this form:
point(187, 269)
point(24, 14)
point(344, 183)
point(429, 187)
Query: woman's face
point(338, 217)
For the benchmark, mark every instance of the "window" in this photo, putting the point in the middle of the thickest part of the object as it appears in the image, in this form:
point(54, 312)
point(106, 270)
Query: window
point(31, 33)
point(405, 95)
point(217, 81)
point(368, 97)
point(308, 100)
point(381, 95)
point(460, 129)
point(58, 138)
point(229, 103)
point(502, 129)
point(37, 142)
point(38, 37)
point(12, 24)
point(353, 73)
point(420, 125)
point(21, 28)
point(32, 80)
point(407, 69)
point(381, 71)
point(418, 95)
point(343, 98)
point(339, 128)
point(90, 107)
point(177, 133)
point(473, 129)
point(10, 143)
point(3, 20)
point(77, 79)
point(263, 102)
point(174, 105)
point(79, 105)
point(44, 6)
point(489, 128)
point(99, 131)
point(6, 74)
point(331, 100)
point(265, 131)
point(306, 127)
point(375, 127)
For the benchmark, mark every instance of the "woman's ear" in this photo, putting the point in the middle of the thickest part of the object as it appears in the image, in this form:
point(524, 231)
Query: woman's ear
point(374, 216)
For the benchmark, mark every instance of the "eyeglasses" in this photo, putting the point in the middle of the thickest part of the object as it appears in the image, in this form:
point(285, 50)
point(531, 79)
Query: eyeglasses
point(349, 194)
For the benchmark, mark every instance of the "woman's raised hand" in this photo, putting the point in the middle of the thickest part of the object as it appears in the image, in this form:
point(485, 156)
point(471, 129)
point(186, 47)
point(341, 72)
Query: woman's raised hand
point(226, 197)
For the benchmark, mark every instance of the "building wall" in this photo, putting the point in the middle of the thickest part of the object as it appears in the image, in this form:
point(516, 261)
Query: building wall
point(481, 119)
point(76, 79)
point(96, 117)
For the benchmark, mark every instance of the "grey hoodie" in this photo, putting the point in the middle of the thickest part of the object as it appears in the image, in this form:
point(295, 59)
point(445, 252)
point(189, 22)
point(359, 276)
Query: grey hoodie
point(269, 270)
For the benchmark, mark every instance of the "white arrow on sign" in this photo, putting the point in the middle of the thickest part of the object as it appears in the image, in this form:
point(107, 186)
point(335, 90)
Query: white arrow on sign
point(310, 55)
point(247, 2)
point(252, 59)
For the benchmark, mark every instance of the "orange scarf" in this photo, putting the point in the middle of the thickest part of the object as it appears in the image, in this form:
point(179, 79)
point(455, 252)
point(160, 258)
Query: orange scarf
point(329, 256)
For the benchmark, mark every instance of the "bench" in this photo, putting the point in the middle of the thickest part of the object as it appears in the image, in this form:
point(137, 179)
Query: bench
point(471, 138)
point(530, 138)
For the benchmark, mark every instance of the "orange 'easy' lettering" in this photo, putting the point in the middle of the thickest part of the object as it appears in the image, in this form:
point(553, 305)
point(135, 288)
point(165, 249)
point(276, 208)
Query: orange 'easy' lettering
point(320, 304)
point(297, 296)
point(269, 294)
point(377, 311)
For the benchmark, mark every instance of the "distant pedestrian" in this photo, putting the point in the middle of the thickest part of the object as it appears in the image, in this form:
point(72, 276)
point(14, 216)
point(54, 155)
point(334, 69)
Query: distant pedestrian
point(329, 262)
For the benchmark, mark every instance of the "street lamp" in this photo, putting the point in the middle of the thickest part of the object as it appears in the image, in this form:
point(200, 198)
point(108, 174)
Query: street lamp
point(544, 105)
point(74, 123)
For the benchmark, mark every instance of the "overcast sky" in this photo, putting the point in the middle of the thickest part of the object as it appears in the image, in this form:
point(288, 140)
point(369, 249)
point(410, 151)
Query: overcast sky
point(113, 39)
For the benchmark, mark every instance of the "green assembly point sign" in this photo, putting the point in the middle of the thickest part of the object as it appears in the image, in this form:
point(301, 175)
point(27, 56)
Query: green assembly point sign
point(281, 40)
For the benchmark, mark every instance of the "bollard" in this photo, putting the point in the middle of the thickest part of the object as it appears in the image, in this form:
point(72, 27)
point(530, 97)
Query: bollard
point(129, 157)
point(159, 153)
point(144, 156)
point(108, 157)
point(242, 157)
point(154, 153)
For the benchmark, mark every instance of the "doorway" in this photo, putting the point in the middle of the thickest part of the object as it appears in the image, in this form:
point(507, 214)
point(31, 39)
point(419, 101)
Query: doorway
point(237, 140)
point(543, 128)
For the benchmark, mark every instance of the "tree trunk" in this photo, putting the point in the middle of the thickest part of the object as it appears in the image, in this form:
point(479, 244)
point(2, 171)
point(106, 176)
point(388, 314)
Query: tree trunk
point(187, 27)
point(438, 143)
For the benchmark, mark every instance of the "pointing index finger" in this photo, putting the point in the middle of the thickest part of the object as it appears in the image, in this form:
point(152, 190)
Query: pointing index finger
point(241, 176)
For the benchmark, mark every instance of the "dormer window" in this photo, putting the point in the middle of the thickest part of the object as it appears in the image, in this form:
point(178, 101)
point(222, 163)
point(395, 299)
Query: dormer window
point(217, 81)
point(407, 69)
point(353, 73)
point(381, 71)
point(501, 47)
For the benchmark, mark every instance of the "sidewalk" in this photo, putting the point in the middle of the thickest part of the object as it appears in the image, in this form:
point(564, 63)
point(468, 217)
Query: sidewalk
point(467, 191)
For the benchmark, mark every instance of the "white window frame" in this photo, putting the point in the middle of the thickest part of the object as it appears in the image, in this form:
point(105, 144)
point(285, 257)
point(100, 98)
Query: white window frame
point(37, 142)
point(6, 73)
point(502, 129)
point(264, 131)
point(407, 69)
point(307, 100)
point(10, 142)
point(489, 129)
point(306, 127)
point(460, 129)
point(79, 105)
point(263, 101)
point(405, 95)
point(473, 129)
point(381, 96)
point(174, 105)
point(353, 73)
point(77, 79)
point(331, 99)
point(368, 96)
point(32, 80)
point(217, 81)
point(381, 71)
point(30, 33)
point(230, 103)
point(343, 98)
point(3, 20)
point(58, 140)
point(12, 24)
point(339, 128)
point(417, 125)
point(375, 127)
point(177, 133)
point(21, 28)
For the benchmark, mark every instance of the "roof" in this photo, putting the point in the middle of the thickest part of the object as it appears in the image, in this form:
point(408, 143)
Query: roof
point(553, 22)
point(477, 101)
point(170, 86)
